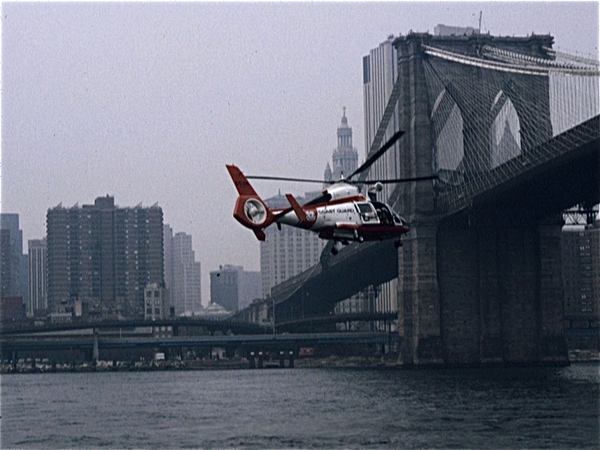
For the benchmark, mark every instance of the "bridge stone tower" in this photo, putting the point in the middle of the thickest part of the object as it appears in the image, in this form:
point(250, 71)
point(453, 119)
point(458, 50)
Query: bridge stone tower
point(483, 285)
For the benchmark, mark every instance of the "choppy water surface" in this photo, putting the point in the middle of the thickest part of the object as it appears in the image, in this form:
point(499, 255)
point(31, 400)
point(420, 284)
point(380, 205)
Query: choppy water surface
point(304, 408)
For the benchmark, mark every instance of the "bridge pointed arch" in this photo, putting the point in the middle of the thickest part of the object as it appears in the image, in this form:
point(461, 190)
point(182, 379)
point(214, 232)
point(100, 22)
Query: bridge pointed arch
point(448, 145)
point(505, 132)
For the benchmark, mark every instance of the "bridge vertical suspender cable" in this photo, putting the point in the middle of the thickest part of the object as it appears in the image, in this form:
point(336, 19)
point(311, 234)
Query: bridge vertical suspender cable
point(483, 122)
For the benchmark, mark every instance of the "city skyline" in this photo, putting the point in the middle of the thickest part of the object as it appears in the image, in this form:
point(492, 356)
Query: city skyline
point(147, 102)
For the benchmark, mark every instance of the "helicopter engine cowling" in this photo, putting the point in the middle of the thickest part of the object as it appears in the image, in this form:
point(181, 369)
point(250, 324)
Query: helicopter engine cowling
point(378, 187)
point(342, 190)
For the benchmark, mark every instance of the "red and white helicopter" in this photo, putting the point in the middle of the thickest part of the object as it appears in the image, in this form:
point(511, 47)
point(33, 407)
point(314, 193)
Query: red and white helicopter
point(341, 213)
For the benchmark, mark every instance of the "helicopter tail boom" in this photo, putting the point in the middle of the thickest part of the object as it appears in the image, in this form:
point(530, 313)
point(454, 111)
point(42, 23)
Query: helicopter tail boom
point(250, 210)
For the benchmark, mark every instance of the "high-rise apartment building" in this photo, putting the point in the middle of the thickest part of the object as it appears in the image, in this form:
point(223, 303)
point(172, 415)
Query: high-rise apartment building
point(38, 300)
point(101, 257)
point(234, 288)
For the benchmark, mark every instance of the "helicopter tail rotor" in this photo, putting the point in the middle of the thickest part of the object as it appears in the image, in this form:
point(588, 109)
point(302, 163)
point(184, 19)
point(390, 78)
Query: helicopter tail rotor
point(250, 210)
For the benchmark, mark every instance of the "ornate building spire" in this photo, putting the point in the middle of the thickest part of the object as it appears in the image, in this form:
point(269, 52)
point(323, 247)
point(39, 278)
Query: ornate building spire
point(328, 175)
point(345, 157)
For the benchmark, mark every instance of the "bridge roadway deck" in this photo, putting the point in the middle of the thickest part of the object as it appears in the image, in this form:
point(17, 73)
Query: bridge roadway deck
point(315, 292)
point(253, 341)
point(545, 186)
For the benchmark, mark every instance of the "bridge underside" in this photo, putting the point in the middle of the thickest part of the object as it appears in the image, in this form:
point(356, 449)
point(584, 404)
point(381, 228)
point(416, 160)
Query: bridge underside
point(546, 189)
point(315, 292)
point(490, 289)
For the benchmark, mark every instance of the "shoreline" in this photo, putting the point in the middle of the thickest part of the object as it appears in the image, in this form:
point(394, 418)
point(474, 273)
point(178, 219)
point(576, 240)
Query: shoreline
point(330, 362)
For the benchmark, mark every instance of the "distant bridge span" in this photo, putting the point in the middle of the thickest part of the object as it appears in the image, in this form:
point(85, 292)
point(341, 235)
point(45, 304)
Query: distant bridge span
point(178, 322)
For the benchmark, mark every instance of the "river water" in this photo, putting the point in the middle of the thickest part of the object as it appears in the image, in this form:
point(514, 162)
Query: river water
point(304, 408)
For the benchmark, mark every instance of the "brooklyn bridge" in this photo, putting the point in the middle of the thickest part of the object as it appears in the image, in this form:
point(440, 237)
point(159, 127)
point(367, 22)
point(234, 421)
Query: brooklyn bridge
point(512, 129)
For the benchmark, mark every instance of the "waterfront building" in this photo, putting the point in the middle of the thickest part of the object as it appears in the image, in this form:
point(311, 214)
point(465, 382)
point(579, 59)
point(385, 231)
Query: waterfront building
point(581, 270)
point(14, 270)
point(102, 257)
point(182, 272)
point(38, 300)
point(214, 311)
point(157, 305)
point(12, 310)
point(234, 288)
point(6, 276)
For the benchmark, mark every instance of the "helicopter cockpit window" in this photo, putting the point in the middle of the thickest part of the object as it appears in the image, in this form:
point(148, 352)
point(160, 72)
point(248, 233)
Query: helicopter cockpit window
point(366, 211)
point(385, 215)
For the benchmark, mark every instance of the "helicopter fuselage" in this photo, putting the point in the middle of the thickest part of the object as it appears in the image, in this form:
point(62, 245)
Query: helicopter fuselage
point(342, 213)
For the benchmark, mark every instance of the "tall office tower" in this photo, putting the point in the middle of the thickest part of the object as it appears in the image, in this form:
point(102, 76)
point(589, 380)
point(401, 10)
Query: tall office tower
point(186, 288)
point(168, 254)
point(234, 288)
point(287, 252)
point(6, 279)
point(380, 70)
point(38, 300)
point(14, 271)
point(101, 257)
point(581, 270)
point(345, 162)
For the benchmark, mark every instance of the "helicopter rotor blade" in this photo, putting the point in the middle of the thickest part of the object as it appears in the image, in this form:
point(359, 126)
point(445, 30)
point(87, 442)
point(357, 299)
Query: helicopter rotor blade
point(368, 163)
point(375, 156)
point(300, 180)
point(399, 180)
point(307, 180)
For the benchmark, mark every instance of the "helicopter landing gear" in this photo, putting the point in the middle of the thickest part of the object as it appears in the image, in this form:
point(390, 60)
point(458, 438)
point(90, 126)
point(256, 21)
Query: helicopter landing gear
point(337, 246)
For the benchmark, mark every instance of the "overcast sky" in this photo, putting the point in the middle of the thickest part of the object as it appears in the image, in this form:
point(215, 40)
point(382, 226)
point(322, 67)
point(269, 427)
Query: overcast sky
point(147, 102)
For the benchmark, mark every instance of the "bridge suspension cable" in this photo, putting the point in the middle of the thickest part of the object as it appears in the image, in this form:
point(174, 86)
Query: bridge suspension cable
point(532, 61)
point(504, 60)
point(576, 58)
point(489, 117)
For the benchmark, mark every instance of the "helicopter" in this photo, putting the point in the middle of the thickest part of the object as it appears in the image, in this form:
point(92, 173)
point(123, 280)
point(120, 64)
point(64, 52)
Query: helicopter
point(341, 213)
